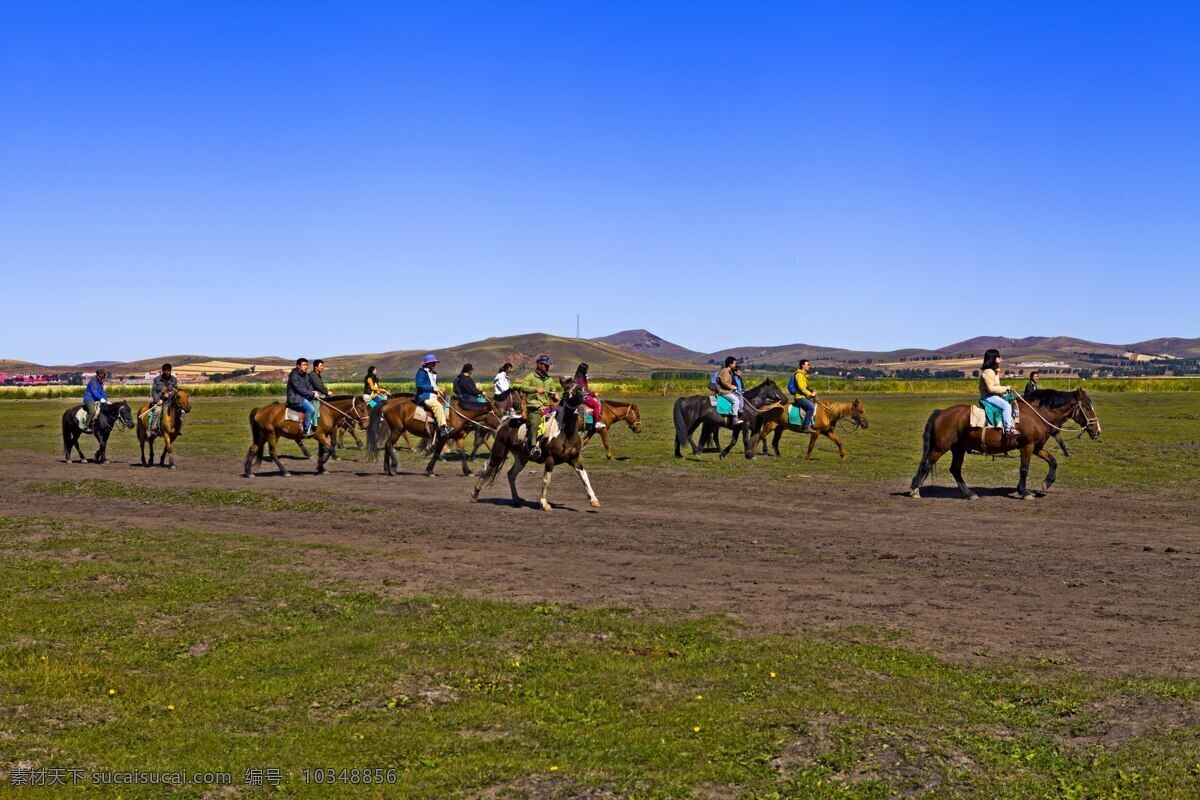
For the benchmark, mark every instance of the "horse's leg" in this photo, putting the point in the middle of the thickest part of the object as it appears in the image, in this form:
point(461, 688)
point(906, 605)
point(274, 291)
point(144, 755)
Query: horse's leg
point(838, 442)
point(587, 484)
point(923, 470)
point(461, 445)
point(142, 448)
point(696, 451)
point(604, 438)
point(546, 476)
point(438, 444)
point(779, 429)
point(272, 444)
point(1052, 475)
point(304, 450)
point(513, 472)
point(255, 450)
point(812, 442)
point(732, 441)
point(1061, 445)
point(79, 450)
point(101, 455)
point(358, 445)
point(958, 453)
point(1026, 456)
point(324, 450)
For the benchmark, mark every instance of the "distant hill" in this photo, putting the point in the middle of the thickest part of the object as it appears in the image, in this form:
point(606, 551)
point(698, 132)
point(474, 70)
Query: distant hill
point(637, 353)
point(645, 342)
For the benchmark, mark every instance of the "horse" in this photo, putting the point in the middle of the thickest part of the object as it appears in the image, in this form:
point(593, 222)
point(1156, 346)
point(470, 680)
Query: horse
point(565, 447)
point(269, 423)
point(1043, 414)
point(509, 403)
point(108, 417)
point(398, 416)
point(463, 417)
point(691, 411)
point(611, 412)
point(170, 427)
point(825, 420)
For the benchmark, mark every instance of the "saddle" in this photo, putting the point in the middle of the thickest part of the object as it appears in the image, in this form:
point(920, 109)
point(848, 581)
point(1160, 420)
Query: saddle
point(985, 415)
point(81, 418)
point(421, 414)
point(292, 415)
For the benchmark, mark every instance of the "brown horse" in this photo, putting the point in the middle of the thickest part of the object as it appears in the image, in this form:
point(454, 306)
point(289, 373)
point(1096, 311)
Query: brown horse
point(612, 412)
point(398, 416)
point(169, 427)
point(462, 418)
point(510, 403)
point(825, 420)
point(1042, 414)
point(269, 423)
point(563, 448)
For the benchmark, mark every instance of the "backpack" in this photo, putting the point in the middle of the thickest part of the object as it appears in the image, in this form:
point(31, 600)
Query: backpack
point(712, 381)
point(792, 387)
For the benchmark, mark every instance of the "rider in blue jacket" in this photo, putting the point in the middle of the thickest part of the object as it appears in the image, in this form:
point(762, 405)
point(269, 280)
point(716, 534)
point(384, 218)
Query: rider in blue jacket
point(300, 394)
point(94, 396)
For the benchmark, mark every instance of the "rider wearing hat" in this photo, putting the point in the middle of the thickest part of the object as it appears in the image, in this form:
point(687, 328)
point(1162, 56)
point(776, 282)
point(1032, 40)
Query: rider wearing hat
point(161, 391)
point(428, 394)
point(539, 390)
point(94, 396)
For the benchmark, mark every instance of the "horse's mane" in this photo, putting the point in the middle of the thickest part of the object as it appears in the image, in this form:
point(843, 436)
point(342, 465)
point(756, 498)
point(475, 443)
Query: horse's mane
point(335, 397)
point(1051, 398)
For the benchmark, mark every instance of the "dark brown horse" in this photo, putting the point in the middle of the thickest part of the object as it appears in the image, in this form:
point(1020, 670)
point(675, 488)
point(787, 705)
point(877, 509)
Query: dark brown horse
point(562, 448)
point(401, 415)
point(825, 420)
point(170, 427)
point(691, 412)
point(464, 417)
point(1042, 414)
point(510, 403)
point(612, 412)
point(269, 423)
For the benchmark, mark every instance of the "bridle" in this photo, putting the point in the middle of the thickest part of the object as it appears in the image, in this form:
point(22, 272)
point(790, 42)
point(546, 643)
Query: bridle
point(1088, 421)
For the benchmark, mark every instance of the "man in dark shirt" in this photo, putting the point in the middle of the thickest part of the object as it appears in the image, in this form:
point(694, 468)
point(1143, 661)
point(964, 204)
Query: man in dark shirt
point(300, 394)
point(316, 381)
point(164, 387)
point(1032, 386)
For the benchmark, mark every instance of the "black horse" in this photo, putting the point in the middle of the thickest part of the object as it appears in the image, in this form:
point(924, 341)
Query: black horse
point(108, 417)
point(690, 412)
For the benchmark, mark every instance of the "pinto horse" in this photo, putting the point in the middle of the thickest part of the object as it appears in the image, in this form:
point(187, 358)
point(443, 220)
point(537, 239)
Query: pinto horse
point(1042, 415)
point(270, 423)
point(825, 420)
point(691, 411)
point(565, 447)
point(170, 427)
point(108, 417)
point(612, 412)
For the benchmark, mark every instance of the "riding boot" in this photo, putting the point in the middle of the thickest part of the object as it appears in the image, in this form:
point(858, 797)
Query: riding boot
point(531, 440)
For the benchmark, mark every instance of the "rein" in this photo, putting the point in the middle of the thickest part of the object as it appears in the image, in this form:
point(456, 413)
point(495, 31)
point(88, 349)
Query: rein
point(474, 421)
point(1078, 407)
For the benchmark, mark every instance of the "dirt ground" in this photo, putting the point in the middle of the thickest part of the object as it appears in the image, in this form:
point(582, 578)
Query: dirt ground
point(1108, 579)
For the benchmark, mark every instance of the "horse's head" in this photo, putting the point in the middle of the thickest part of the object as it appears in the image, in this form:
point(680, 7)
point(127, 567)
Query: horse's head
point(572, 393)
point(771, 393)
point(1085, 415)
point(634, 417)
point(858, 414)
point(183, 401)
point(125, 414)
point(360, 412)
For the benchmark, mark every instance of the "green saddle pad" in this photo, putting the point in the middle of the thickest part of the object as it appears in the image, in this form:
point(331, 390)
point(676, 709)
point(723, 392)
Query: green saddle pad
point(589, 418)
point(724, 407)
point(994, 415)
point(795, 415)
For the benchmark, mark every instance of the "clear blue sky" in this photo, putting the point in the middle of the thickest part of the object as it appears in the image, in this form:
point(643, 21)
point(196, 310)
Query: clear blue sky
point(298, 178)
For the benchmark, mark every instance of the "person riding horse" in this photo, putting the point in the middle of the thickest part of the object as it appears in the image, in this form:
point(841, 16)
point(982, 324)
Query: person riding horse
point(724, 384)
point(589, 398)
point(94, 397)
point(300, 394)
point(501, 383)
point(465, 389)
point(539, 390)
point(163, 388)
point(992, 392)
point(316, 382)
point(803, 397)
point(428, 394)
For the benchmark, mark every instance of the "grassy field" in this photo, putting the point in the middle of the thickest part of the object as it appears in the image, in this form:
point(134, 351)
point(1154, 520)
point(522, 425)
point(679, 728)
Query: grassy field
point(1149, 440)
point(184, 652)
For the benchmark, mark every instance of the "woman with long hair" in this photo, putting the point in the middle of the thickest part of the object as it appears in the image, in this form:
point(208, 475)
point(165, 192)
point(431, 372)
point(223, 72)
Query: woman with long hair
point(992, 392)
point(589, 397)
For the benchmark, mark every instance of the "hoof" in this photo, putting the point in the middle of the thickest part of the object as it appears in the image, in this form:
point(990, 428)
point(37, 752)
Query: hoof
point(247, 474)
point(915, 493)
point(474, 497)
point(285, 474)
point(595, 504)
point(1046, 487)
point(546, 507)
point(972, 496)
point(1028, 496)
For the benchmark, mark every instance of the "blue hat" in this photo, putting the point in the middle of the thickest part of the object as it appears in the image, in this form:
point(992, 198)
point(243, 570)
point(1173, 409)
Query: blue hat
point(431, 359)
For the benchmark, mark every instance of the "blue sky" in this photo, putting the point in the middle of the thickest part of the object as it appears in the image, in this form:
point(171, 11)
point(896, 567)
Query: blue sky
point(258, 178)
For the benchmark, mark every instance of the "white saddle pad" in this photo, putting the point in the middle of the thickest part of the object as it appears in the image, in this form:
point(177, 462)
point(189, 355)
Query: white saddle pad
point(421, 415)
point(81, 418)
point(979, 418)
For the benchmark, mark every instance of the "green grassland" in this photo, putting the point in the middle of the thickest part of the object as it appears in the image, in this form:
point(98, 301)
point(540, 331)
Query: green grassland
point(181, 651)
point(1149, 440)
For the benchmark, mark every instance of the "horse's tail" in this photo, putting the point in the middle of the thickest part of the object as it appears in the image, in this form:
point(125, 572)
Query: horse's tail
point(681, 436)
point(255, 428)
point(68, 420)
point(927, 437)
point(498, 455)
point(377, 431)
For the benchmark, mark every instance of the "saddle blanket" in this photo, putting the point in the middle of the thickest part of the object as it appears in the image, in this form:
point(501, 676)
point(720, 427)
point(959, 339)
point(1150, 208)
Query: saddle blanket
point(547, 427)
point(724, 407)
point(81, 418)
point(981, 417)
point(292, 415)
point(795, 416)
point(422, 413)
